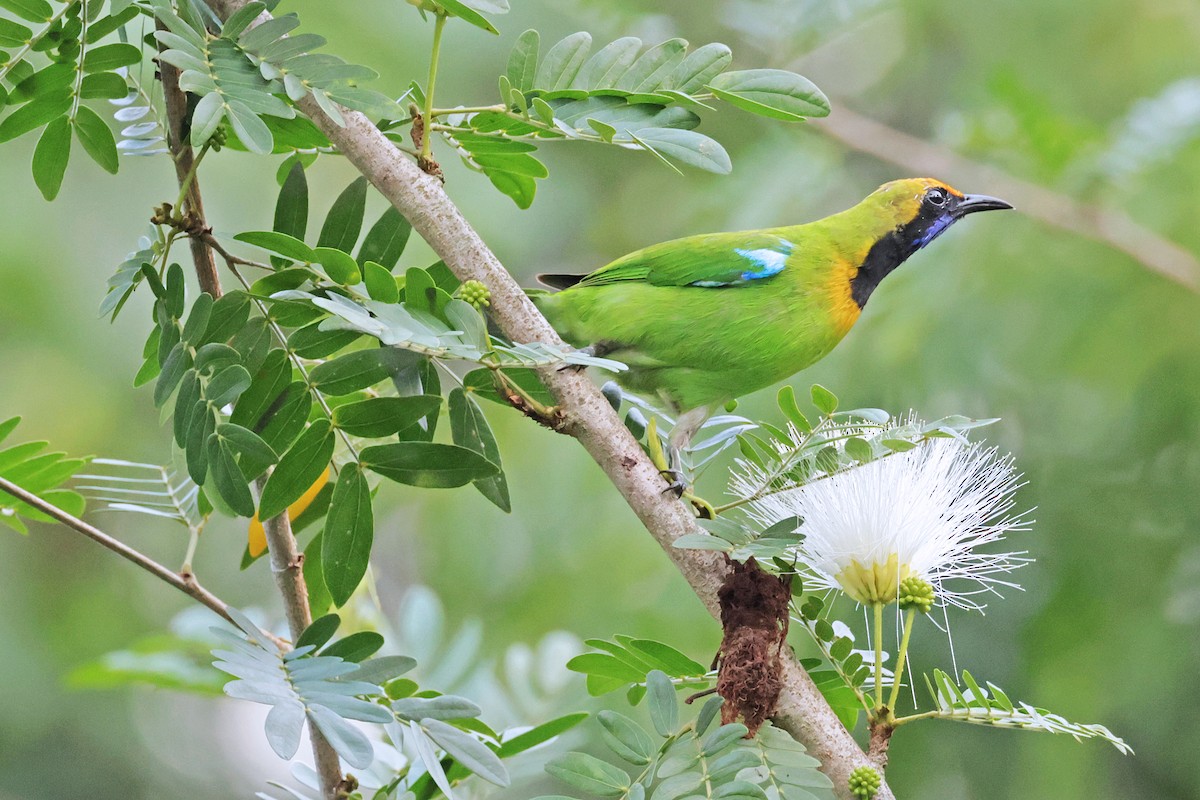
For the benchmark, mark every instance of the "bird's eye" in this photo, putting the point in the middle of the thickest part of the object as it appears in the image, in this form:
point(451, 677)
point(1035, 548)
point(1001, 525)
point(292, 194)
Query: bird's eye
point(936, 197)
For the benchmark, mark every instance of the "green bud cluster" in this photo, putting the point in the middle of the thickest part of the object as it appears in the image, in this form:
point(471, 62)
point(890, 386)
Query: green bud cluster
point(864, 782)
point(476, 294)
point(916, 593)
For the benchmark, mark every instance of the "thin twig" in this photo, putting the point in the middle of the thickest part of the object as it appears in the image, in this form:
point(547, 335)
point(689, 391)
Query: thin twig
point(188, 585)
point(802, 711)
point(1107, 225)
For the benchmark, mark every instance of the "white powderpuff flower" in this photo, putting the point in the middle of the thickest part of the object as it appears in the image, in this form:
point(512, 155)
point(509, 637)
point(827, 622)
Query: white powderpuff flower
point(924, 512)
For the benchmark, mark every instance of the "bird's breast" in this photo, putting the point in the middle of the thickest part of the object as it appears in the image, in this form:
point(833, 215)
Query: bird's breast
point(843, 309)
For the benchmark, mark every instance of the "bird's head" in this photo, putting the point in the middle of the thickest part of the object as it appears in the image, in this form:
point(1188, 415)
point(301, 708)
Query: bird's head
point(920, 209)
point(902, 217)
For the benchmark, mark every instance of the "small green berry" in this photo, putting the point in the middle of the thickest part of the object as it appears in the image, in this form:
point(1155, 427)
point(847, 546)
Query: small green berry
point(864, 782)
point(916, 592)
point(476, 294)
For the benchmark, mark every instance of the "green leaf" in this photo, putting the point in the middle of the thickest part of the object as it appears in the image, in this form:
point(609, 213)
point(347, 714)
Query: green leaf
point(522, 61)
point(106, 25)
point(345, 218)
point(348, 534)
point(356, 647)
point(360, 369)
point(32, 10)
point(297, 470)
point(722, 738)
point(626, 738)
point(291, 209)
point(251, 130)
point(667, 658)
point(206, 118)
point(312, 342)
point(339, 266)
point(661, 701)
point(605, 67)
point(281, 243)
point(539, 734)
point(108, 57)
point(606, 666)
point(35, 114)
point(241, 19)
point(227, 385)
point(318, 594)
point(654, 67)
point(103, 85)
point(688, 147)
point(480, 383)
point(381, 285)
point(319, 631)
point(520, 188)
point(386, 240)
point(96, 138)
point(589, 774)
point(787, 404)
point(426, 464)
point(470, 752)
point(50, 157)
point(464, 12)
point(248, 443)
point(197, 321)
point(469, 428)
point(700, 67)
point(385, 416)
point(13, 34)
point(825, 400)
point(230, 483)
point(774, 93)
point(562, 62)
point(445, 706)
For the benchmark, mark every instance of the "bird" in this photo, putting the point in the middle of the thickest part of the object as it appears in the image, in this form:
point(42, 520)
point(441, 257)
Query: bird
point(703, 320)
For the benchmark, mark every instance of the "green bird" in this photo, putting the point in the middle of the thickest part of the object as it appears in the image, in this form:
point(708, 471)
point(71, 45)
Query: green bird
point(706, 319)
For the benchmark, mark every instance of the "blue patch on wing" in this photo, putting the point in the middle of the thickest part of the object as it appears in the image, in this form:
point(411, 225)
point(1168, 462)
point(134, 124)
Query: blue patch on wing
point(768, 261)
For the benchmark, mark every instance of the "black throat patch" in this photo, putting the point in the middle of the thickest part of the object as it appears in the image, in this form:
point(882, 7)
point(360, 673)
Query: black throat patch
point(891, 250)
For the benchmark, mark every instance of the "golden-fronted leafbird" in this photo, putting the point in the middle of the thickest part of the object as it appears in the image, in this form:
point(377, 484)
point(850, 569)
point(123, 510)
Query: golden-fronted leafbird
point(706, 319)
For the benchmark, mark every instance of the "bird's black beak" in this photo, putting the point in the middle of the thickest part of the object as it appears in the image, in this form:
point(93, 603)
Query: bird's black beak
point(979, 202)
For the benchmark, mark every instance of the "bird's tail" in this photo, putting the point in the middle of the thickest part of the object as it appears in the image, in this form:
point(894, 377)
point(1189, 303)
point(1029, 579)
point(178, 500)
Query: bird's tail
point(559, 280)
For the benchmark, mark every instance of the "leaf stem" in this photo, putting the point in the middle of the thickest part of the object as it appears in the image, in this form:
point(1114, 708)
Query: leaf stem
point(902, 653)
point(878, 609)
point(439, 23)
point(442, 112)
point(185, 183)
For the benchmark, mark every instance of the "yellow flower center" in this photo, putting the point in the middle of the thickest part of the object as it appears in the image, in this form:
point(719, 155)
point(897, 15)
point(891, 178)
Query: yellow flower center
point(874, 584)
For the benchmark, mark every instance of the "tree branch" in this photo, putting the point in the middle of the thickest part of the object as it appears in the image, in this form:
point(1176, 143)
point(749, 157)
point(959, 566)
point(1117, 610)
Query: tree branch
point(181, 153)
point(1106, 225)
point(803, 712)
point(286, 560)
point(189, 585)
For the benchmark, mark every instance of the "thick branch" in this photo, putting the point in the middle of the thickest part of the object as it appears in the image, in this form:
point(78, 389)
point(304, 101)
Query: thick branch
point(189, 585)
point(286, 561)
point(590, 419)
point(181, 152)
point(1107, 225)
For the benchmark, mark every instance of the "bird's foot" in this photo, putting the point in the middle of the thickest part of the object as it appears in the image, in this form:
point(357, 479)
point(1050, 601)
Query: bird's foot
point(678, 486)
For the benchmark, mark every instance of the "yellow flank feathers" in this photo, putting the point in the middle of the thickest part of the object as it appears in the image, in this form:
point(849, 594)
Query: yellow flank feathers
point(258, 537)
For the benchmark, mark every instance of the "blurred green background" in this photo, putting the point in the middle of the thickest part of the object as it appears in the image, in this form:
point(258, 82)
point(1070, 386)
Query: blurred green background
point(1092, 361)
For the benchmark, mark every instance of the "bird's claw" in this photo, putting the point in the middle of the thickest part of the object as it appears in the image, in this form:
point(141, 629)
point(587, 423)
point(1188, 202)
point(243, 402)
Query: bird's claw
point(675, 482)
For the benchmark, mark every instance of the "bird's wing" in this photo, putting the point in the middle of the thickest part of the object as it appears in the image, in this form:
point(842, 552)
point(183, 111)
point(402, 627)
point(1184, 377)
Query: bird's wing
point(710, 261)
